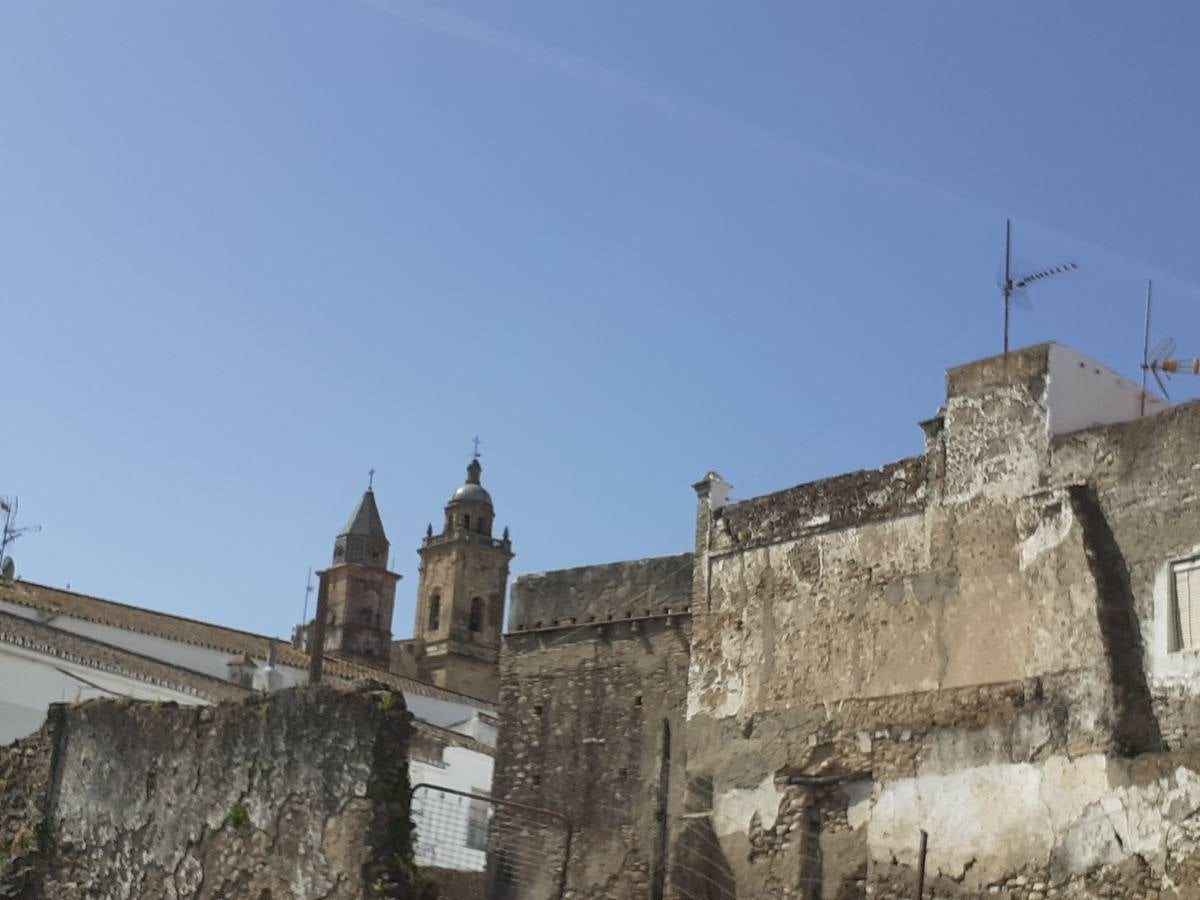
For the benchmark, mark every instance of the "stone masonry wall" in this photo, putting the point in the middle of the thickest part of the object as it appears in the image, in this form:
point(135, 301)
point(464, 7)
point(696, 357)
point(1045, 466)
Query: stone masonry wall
point(972, 643)
point(624, 590)
point(592, 717)
point(304, 794)
point(592, 728)
point(26, 771)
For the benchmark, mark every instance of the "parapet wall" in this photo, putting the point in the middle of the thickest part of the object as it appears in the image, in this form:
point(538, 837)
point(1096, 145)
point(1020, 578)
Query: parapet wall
point(852, 499)
point(304, 794)
point(616, 591)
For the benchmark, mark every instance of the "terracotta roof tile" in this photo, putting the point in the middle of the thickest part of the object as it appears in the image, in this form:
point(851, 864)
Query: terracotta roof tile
point(216, 637)
point(50, 641)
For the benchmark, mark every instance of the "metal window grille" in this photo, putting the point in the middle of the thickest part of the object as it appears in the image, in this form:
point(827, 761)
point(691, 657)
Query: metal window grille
point(519, 852)
point(478, 814)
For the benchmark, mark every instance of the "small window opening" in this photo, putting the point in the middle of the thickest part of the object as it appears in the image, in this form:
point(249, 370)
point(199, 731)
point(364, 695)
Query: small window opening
point(477, 823)
point(637, 700)
point(537, 709)
point(1184, 631)
point(435, 612)
point(477, 614)
point(467, 522)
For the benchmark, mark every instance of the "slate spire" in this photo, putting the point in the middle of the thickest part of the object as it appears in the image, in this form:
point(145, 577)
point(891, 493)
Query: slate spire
point(363, 540)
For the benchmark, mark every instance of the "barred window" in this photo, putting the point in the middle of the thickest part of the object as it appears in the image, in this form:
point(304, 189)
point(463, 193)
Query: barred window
point(477, 823)
point(1185, 591)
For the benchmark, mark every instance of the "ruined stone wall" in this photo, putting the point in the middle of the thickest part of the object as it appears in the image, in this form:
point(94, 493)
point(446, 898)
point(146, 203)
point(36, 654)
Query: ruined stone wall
point(592, 717)
point(26, 772)
point(304, 794)
point(966, 642)
point(1145, 476)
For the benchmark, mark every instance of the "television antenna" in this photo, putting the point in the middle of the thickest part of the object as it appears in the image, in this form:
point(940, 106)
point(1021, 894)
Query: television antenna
point(1010, 285)
point(1162, 358)
point(8, 506)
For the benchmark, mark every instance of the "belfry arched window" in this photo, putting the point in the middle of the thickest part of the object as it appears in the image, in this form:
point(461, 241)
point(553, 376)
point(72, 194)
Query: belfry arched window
point(477, 614)
point(435, 612)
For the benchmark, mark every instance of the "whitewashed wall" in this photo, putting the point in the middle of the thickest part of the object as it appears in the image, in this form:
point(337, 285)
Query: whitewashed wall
point(1082, 394)
point(441, 819)
point(30, 682)
point(436, 711)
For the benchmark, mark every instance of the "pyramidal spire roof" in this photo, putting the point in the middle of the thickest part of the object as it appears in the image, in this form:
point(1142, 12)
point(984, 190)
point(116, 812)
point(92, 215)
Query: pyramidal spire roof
point(365, 519)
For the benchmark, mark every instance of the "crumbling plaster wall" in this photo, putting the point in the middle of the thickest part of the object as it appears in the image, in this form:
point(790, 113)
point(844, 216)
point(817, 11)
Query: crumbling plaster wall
point(302, 794)
point(1146, 476)
point(971, 620)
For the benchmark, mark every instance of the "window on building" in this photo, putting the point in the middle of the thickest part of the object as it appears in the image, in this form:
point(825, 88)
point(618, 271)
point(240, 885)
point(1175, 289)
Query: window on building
point(435, 612)
point(477, 614)
point(467, 522)
point(477, 823)
point(1185, 605)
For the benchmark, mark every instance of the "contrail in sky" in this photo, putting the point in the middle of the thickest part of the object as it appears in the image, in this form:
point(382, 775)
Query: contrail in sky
point(577, 68)
point(631, 89)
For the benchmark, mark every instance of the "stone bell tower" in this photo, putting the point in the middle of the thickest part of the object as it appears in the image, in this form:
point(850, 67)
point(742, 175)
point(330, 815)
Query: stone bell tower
point(460, 597)
point(359, 590)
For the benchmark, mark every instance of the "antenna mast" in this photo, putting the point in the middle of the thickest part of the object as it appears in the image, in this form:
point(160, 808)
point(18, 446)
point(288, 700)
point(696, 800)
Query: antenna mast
point(308, 589)
point(1146, 343)
point(10, 533)
point(1011, 284)
point(1008, 285)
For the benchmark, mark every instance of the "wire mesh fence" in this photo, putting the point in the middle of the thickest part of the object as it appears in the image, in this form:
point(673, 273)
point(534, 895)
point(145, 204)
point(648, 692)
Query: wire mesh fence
point(506, 850)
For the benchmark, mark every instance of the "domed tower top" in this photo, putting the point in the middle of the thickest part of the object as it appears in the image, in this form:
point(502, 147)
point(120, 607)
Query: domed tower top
point(472, 490)
point(362, 540)
point(470, 506)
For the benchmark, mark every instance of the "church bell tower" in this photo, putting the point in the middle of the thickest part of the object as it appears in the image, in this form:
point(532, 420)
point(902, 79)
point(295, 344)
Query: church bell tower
point(460, 596)
point(359, 590)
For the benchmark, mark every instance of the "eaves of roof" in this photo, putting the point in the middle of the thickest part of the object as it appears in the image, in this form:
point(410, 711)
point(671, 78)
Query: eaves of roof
point(58, 602)
point(46, 640)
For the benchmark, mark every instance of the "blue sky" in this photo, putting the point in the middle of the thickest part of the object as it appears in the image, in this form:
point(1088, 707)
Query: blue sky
point(250, 250)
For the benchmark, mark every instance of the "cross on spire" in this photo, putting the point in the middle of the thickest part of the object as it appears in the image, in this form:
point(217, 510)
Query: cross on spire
point(370, 479)
point(476, 441)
